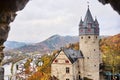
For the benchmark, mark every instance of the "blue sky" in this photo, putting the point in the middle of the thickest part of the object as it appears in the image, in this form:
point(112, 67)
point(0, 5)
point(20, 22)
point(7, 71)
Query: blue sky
point(41, 19)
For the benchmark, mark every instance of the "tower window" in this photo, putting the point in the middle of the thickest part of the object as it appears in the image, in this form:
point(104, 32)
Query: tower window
point(81, 37)
point(87, 57)
point(67, 70)
point(94, 49)
point(67, 79)
point(96, 37)
point(79, 77)
point(89, 37)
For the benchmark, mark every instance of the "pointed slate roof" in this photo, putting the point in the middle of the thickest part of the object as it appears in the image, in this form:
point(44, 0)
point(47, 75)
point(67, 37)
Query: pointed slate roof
point(81, 22)
point(88, 17)
point(96, 22)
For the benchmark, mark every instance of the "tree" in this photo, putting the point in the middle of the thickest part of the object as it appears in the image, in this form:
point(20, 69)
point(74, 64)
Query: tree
point(110, 48)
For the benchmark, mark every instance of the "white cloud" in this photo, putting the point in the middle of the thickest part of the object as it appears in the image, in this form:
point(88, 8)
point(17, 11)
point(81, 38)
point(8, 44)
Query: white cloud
point(43, 18)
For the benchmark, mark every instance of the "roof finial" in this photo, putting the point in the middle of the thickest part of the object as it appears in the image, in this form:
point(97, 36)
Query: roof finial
point(95, 17)
point(88, 3)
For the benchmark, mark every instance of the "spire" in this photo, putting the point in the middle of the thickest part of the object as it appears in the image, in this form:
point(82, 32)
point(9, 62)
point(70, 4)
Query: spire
point(88, 26)
point(96, 21)
point(81, 22)
point(88, 17)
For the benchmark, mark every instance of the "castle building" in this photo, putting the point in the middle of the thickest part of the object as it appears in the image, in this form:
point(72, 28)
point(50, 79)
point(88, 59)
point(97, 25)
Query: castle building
point(70, 64)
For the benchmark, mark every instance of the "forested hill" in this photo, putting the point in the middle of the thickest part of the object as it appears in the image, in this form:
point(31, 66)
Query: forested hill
point(110, 48)
point(112, 42)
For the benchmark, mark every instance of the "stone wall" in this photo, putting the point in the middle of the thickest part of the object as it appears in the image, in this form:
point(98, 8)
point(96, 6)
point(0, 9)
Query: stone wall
point(89, 45)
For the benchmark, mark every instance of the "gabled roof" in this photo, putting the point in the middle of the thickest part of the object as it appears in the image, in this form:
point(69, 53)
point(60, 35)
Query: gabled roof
point(72, 54)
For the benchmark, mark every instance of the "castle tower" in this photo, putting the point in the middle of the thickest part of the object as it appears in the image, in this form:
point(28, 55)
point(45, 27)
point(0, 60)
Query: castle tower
point(89, 46)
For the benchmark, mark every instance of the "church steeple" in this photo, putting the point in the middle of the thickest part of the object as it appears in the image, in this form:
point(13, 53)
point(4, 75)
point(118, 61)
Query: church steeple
point(88, 26)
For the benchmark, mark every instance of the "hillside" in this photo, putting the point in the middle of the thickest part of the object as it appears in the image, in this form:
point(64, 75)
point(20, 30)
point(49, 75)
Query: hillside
point(110, 48)
point(52, 43)
point(112, 41)
point(13, 44)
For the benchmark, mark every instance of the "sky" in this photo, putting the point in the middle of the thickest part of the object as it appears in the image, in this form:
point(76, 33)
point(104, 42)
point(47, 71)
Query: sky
point(41, 19)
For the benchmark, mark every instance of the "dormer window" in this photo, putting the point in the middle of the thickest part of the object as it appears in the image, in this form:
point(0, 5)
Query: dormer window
point(56, 61)
point(89, 25)
point(66, 61)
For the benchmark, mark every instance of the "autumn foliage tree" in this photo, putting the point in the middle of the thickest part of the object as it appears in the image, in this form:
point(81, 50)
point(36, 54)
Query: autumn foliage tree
point(27, 65)
point(110, 48)
point(43, 72)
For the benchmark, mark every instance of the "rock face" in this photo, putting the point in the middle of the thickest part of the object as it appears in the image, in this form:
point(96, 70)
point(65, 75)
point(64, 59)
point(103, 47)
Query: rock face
point(114, 3)
point(8, 10)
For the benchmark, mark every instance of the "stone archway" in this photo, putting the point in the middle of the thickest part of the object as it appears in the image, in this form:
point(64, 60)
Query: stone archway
point(8, 9)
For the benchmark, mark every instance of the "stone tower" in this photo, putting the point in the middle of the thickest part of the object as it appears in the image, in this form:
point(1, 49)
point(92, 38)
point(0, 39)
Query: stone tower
point(89, 46)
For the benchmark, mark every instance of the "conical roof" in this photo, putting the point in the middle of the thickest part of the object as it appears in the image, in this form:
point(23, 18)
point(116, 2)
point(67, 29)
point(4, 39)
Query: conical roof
point(88, 17)
point(89, 26)
point(81, 22)
point(96, 22)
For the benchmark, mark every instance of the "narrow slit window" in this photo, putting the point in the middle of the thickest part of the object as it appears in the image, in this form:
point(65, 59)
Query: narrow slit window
point(89, 37)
